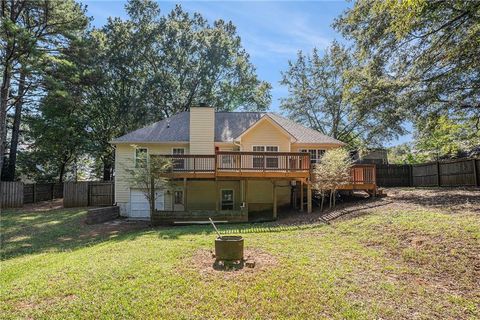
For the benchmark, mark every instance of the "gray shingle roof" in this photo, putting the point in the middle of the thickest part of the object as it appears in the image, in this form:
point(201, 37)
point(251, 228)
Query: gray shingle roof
point(228, 126)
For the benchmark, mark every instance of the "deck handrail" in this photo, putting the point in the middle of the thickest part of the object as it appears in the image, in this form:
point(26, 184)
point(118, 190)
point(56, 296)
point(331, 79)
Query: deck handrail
point(363, 173)
point(250, 161)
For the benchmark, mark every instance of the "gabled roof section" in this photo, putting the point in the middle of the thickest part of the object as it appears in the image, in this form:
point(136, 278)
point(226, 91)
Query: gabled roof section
point(302, 133)
point(267, 117)
point(229, 126)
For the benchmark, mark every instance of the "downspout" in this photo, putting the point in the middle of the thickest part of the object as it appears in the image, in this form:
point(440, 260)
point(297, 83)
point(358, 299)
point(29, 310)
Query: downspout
point(236, 143)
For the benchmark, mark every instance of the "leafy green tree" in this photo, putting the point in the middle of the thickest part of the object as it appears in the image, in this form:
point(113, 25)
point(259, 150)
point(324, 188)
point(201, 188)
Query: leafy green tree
point(443, 137)
point(405, 154)
point(332, 172)
point(30, 33)
point(156, 65)
point(58, 131)
point(317, 86)
point(418, 58)
point(147, 174)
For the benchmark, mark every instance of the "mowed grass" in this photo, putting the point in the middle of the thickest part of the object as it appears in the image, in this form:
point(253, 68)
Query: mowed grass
point(383, 264)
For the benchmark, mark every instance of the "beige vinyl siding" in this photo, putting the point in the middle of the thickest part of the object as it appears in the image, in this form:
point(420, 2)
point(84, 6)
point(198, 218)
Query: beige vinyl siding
point(202, 130)
point(261, 191)
point(203, 195)
point(124, 158)
point(265, 134)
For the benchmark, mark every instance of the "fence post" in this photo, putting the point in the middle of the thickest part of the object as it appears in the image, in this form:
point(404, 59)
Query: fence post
point(112, 191)
point(51, 191)
point(88, 193)
point(475, 177)
point(34, 190)
point(438, 173)
point(410, 175)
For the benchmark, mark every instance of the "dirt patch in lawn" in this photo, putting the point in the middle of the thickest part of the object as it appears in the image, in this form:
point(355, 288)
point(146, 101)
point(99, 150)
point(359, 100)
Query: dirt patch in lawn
point(452, 200)
point(203, 261)
point(445, 200)
point(54, 204)
point(113, 228)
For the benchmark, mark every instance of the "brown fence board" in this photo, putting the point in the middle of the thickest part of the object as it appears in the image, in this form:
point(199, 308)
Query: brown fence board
point(75, 194)
point(28, 195)
point(393, 175)
point(457, 173)
point(88, 193)
point(477, 170)
point(11, 194)
point(424, 175)
point(451, 173)
point(100, 193)
point(58, 190)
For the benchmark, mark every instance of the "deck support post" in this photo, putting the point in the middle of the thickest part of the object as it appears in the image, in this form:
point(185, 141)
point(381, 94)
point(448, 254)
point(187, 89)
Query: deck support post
point(274, 197)
point(301, 195)
point(217, 196)
point(184, 195)
point(309, 197)
point(245, 189)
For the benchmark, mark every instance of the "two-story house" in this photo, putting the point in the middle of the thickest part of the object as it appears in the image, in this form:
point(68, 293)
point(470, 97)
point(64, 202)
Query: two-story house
point(236, 166)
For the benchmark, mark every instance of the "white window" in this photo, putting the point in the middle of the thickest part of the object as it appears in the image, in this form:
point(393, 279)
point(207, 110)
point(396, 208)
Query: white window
point(141, 156)
point(178, 162)
point(271, 162)
point(315, 154)
point(227, 199)
point(258, 160)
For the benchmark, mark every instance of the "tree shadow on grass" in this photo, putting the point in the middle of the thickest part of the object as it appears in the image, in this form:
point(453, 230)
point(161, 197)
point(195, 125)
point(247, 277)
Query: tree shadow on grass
point(60, 230)
point(57, 230)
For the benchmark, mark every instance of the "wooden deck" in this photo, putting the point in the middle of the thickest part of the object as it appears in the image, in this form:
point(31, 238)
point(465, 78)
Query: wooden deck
point(363, 177)
point(239, 165)
point(262, 165)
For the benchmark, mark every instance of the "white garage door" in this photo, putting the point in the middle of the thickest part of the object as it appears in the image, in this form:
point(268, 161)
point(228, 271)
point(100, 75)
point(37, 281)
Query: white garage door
point(139, 207)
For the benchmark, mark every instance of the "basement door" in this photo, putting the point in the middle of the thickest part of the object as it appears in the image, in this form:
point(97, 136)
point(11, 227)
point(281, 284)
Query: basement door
point(139, 207)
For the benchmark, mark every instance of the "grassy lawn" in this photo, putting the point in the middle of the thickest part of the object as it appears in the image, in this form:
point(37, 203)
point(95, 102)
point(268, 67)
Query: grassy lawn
point(385, 263)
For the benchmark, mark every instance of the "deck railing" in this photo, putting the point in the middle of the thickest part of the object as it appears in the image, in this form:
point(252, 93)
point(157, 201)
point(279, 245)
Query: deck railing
point(263, 161)
point(236, 163)
point(192, 163)
point(363, 174)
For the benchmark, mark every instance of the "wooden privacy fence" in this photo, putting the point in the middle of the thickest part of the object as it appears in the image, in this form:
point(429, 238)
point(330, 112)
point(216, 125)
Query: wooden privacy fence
point(452, 173)
point(393, 175)
point(16, 194)
point(11, 194)
point(88, 193)
point(35, 192)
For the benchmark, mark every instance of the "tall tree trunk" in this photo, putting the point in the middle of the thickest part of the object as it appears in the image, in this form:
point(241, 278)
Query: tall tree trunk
point(12, 158)
point(323, 198)
point(61, 172)
point(4, 93)
point(107, 170)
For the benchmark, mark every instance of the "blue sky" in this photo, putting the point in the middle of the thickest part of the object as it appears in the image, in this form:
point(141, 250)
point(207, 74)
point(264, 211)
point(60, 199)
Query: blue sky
point(271, 31)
